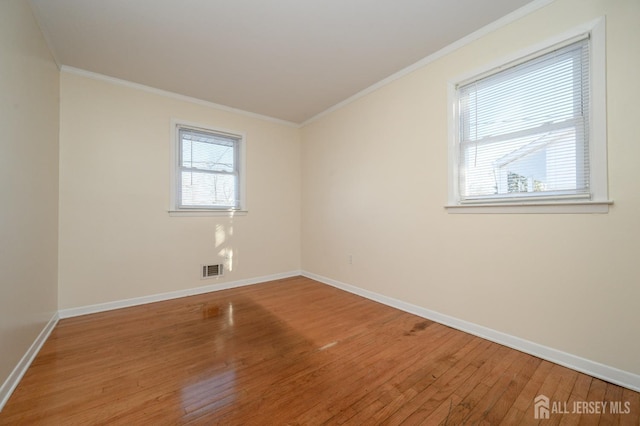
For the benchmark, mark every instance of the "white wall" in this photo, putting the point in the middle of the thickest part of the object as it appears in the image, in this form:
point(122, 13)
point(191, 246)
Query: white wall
point(375, 185)
point(117, 240)
point(28, 184)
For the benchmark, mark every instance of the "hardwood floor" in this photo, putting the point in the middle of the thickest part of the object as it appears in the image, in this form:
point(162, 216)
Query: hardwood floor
point(292, 352)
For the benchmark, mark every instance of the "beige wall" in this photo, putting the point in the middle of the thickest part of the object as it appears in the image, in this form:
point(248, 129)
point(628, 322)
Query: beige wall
point(375, 183)
point(28, 183)
point(117, 240)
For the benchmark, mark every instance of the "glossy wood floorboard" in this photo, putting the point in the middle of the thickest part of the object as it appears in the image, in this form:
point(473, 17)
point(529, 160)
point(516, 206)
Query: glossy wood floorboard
point(291, 352)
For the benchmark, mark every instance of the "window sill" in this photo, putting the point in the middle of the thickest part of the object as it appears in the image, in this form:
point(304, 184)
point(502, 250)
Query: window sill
point(205, 213)
point(533, 208)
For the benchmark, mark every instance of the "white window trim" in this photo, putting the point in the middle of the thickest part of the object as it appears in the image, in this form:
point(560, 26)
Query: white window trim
point(599, 201)
point(174, 209)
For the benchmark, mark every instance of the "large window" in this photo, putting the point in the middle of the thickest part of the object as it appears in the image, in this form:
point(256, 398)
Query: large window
point(207, 169)
point(523, 131)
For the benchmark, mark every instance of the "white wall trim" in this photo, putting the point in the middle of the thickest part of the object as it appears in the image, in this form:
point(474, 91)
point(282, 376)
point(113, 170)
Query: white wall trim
point(241, 168)
point(502, 22)
point(108, 306)
point(173, 95)
point(505, 20)
point(592, 368)
point(20, 369)
point(556, 207)
point(597, 201)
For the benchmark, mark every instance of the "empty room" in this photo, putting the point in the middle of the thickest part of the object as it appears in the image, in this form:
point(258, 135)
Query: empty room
point(313, 212)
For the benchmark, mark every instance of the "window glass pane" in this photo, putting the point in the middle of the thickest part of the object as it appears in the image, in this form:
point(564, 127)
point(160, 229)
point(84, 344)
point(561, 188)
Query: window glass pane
point(207, 152)
point(523, 98)
point(208, 189)
point(539, 164)
point(524, 129)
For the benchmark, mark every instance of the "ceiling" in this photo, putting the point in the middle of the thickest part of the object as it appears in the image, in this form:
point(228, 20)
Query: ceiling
point(285, 59)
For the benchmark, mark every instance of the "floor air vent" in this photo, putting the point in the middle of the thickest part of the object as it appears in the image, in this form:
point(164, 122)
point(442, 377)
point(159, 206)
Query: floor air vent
point(210, 271)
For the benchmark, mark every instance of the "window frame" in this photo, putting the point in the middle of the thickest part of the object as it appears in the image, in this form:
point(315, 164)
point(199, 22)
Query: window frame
point(597, 201)
point(177, 208)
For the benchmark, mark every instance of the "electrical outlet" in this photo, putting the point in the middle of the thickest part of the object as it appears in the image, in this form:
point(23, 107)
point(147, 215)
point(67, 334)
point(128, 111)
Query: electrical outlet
point(350, 259)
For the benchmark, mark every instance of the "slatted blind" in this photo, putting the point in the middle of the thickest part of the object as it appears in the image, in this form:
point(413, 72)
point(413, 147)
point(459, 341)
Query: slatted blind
point(524, 129)
point(208, 169)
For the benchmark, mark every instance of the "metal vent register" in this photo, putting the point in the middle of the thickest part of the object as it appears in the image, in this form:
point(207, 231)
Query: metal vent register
point(209, 271)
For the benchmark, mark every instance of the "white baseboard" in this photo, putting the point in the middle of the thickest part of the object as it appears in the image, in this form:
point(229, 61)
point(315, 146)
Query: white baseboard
point(108, 306)
point(14, 378)
point(592, 368)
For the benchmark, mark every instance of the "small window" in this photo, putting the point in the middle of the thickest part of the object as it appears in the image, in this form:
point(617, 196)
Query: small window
point(208, 169)
point(524, 131)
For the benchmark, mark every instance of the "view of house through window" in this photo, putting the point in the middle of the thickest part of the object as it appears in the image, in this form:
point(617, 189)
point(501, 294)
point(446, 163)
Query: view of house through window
point(524, 130)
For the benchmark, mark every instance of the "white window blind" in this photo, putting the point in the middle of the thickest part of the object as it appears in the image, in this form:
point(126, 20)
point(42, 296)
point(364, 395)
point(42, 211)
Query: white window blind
point(524, 129)
point(208, 169)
